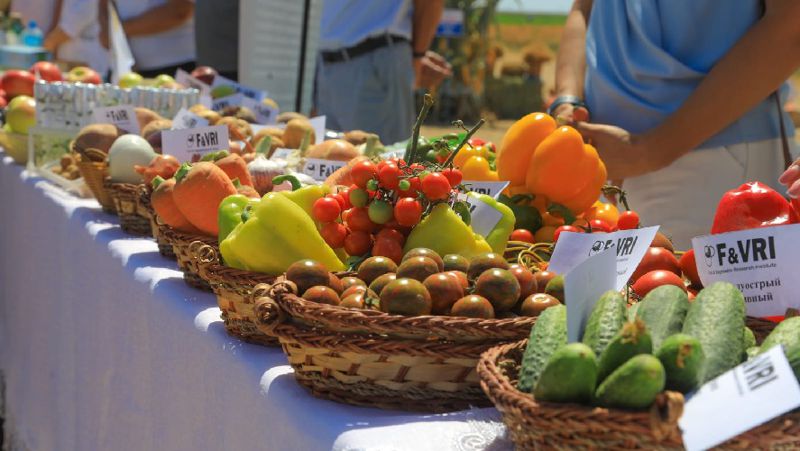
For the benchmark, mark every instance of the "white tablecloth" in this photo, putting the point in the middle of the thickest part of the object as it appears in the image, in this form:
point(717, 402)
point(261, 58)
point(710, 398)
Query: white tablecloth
point(104, 347)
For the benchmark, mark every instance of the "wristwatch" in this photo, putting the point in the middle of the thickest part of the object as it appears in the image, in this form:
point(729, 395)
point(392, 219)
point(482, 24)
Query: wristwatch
point(574, 100)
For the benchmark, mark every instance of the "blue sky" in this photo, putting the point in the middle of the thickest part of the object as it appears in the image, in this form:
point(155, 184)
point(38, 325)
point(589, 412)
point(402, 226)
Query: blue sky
point(540, 6)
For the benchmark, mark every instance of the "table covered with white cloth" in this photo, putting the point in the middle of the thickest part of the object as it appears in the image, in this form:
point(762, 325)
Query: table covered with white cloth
point(103, 346)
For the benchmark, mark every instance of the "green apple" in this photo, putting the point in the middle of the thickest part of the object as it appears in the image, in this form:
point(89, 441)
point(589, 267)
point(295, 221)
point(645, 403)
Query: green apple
point(222, 91)
point(21, 114)
point(130, 80)
point(163, 80)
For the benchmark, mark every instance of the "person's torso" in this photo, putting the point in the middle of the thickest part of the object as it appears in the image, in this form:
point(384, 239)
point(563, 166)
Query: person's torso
point(347, 22)
point(645, 58)
point(216, 33)
point(160, 49)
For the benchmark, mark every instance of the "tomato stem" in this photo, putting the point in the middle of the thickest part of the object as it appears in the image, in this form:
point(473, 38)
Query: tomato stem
point(411, 153)
point(464, 141)
point(611, 190)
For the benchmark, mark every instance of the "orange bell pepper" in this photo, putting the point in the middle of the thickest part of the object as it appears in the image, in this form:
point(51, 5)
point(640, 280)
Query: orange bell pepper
point(519, 145)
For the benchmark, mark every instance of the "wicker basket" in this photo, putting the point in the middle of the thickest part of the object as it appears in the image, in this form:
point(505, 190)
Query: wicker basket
point(94, 170)
point(132, 218)
point(536, 425)
point(234, 289)
point(370, 358)
point(183, 244)
point(164, 246)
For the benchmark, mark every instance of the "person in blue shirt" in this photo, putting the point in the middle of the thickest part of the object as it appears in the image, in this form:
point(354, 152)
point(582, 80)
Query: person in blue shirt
point(680, 95)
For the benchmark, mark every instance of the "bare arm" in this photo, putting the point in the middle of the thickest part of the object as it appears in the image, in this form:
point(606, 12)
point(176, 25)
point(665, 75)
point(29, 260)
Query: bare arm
point(427, 14)
point(159, 19)
point(571, 61)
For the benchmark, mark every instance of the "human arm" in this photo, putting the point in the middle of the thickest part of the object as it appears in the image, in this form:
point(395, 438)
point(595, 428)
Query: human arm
point(571, 60)
point(74, 17)
point(159, 19)
point(429, 67)
point(729, 90)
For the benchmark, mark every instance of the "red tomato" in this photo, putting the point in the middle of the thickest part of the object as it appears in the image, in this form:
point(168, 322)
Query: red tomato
point(522, 235)
point(414, 187)
point(345, 195)
point(358, 219)
point(565, 228)
point(407, 211)
point(357, 243)
point(598, 225)
point(388, 247)
point(391, 234)
point(653, 279)
point(362, 172)
point(628, 220)
point(358, 197)
point(326, 209)
point(339, 198)
point(476, 142)
point(657, 258)
point(334, 234)
point(689, 268)
point(435, 186)
point(389, 176)
point(453, 175)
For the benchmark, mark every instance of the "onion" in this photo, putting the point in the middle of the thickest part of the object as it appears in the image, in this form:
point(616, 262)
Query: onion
point(262, 171)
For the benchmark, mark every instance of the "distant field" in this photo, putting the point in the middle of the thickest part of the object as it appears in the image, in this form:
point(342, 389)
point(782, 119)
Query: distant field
point(529, 19)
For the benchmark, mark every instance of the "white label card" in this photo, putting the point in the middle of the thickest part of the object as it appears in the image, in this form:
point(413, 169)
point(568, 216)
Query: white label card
point(749, 395)
point(281, 153)
point(399, 153)
point(321, 169)
point(247, 91)
point(484, 217)
point(629, 246)
point(318, 123)
point(762, 263)
point(187, 119)
point(224, 102)
point(183, 77)
point(583, 287)
point(190, 144)
point(123, 116)
point(489, 188)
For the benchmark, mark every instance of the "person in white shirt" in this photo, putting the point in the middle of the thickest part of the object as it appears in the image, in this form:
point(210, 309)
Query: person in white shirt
point(372, 54)
point(160, 34)
point(72, 34)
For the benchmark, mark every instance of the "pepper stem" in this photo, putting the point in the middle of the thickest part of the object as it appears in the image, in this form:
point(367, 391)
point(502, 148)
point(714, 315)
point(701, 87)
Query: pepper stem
point(182, 171)
point(264, 146)
point(158, 180)
point(411, 153)
point(463, 142)
point(296, 185)
point(237, 183)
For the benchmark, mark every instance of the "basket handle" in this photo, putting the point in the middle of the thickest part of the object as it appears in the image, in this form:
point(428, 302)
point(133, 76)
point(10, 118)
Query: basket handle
point(268, 313)
point(93, 154)
point(204, 255)
point(665, 413)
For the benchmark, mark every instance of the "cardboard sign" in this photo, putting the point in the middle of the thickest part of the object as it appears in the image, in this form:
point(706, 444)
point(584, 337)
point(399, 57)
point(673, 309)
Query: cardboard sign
point(187, 119)
point(489, 188)
point(629, 246)
point(247, 91)
point(321, 169)
point(762, 263)
point(749, 395)
point(484, 216)
point(190, 144)
point(583, 287)
point(183, 77)
point(123, 116)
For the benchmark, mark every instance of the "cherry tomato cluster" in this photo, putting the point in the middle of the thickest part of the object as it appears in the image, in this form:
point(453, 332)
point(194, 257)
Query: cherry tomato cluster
point(627, 220)
point(376, 213)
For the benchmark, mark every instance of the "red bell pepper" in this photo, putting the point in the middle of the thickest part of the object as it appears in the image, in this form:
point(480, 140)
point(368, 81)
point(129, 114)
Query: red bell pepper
point(751, 206)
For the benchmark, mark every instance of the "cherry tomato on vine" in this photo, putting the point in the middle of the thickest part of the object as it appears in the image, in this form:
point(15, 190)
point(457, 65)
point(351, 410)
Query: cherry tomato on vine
point(522, 235)
point(628, 220)
point(357, 243)
point(326, 209)
point(407, 211)
point(345, 196)
point(389, 233)
point(380, 211)
point(372, 185)
point(363, 172)
point(598, 225)
point(565, 228)
point(358, 220)
point(334, 234)
point(389, 176)
point(358, 197)
point(341, 199)
point(453, 175)
point(436, 186)
point(414, 186)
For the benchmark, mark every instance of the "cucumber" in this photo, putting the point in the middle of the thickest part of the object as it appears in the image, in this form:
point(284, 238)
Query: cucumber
point(716, 319)
point(633, 339)
point(634, 385)
point(569, 376)
point(607, 318)
point(547, 335)
point(793, 355)
point(786, 333)
point(682, 357)
point(663, 311)
point(748, 341)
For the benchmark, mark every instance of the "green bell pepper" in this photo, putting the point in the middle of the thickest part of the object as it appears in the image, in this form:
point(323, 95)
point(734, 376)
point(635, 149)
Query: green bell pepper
point(498, 237)
point(230, 213)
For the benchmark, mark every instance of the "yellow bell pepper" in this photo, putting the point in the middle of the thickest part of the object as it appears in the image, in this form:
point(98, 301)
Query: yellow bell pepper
point(478, 169)
point(519, 145)
point(446, 233)
point(465, 154)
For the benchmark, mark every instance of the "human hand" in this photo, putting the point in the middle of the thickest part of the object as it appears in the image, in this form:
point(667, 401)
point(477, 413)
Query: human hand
point(624, 154)
point(54, 39)
point(791, 179)
point(567, 113)
point(430, 70)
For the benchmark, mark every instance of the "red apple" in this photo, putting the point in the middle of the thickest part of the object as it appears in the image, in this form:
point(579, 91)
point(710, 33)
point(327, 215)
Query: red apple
point(84, 74)
point(205, 74)
point(47, 71)
point(17, 82)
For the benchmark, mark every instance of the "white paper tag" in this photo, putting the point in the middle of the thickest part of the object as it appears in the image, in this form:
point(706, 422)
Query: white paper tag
point(191, 143)
point(762, 263)
point(123, 116)
point(187, 119)
point(489, 188)
point(321, 169)
point(247, 91)
point(224, 102)
point(749, 395)
point(206, 101)
point(281, 153)
point(484, 217)
point(318, 123)
point(184, 78)
point(629, 245)
point(265, 114)
point(399, 153)
point(583, 286)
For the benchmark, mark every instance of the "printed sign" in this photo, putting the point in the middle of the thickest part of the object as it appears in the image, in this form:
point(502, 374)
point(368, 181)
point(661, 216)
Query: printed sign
point(628, 245)
point(247, 91)
point(224, 102)
point(489, 188)
point(762, 263)
point(321, 169)
point(484, 217)
point(584, 285)
point(190, 144)
point(123, 116)
point(451, 24)
point(749, 395)
point(183, 77)
point(264, 114)
point(187, 119)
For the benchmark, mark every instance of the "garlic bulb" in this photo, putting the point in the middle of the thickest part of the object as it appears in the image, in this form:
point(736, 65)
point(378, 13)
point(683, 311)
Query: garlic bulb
point(263, 171)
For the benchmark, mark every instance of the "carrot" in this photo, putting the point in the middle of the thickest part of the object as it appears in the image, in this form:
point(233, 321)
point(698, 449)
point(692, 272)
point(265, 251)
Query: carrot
point(342, 176)
point(236, 168)
point(165, 207)
point(198, 192)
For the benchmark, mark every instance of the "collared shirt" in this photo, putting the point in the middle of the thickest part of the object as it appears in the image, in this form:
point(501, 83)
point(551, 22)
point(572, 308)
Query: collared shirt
point(644, 58)
point(345, 23)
